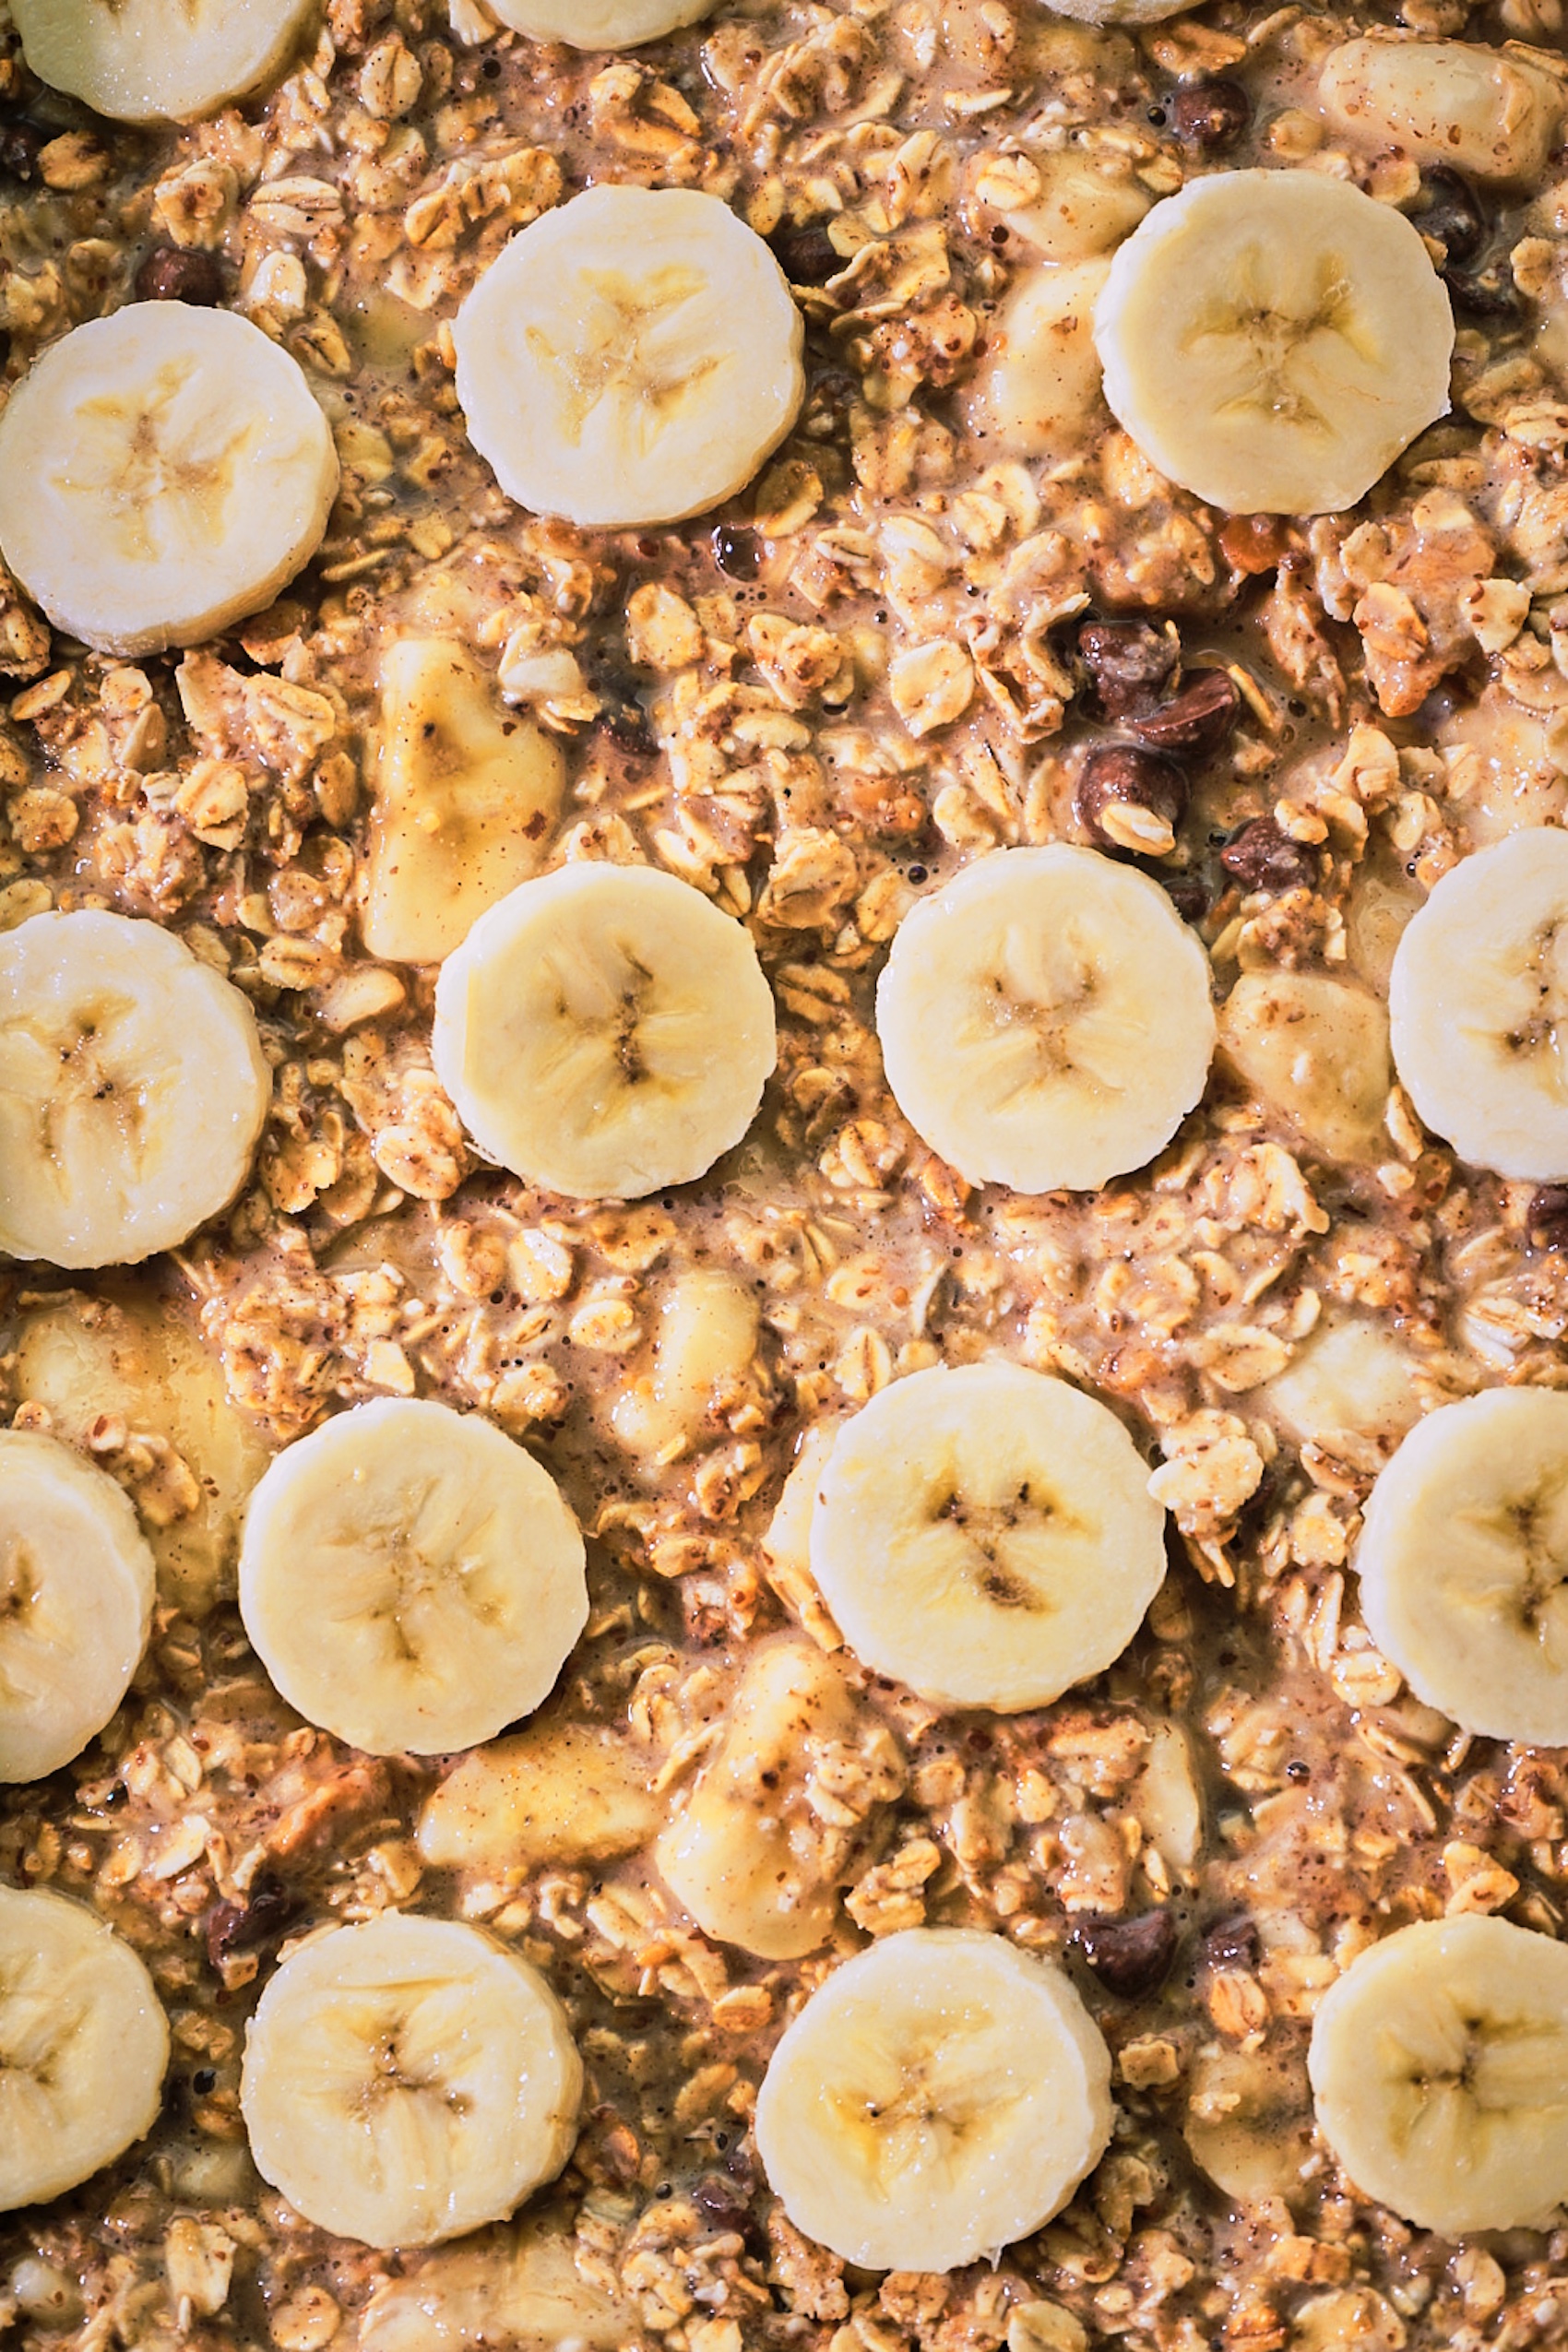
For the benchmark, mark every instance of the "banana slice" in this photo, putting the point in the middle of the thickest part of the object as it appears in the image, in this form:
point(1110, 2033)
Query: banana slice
point(1272, 340)
point(1439, 2066)
point(133, 1089)
point(1317, 1050)
point(409, 2079)
point(940, 2096)
point(1037, 395)
point(150, 61)
point(1045, 1020)
point(76, 1602)
point(559, 1792)
point(82, 1359)
point(86, 2044)
point(1478, 1007)
point(466, 794)
point(412, 1579)
point(601, 24)
point(605, 1031)
point(740, 1856)
point(1450, 103)
point(167, 471)
point(631, 358)
point(987, 1536)
point(1463, 1560)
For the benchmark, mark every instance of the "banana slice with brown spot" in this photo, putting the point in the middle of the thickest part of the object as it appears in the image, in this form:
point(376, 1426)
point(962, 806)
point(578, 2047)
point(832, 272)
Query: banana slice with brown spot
point(149, 61)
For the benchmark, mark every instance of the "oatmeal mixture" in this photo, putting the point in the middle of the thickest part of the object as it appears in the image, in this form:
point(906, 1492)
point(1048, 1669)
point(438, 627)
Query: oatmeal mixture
point(924, 632)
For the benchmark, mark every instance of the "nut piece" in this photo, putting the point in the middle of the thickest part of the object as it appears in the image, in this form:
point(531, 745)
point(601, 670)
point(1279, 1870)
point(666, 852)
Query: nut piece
point(1131, 799)
point(1211, 115)
point(1195, 723)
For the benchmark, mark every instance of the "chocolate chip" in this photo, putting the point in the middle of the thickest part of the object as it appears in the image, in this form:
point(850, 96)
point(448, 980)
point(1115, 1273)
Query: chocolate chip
point(1232, 1944)
point(1546, 1219)
point(1263, 857)
point(1124, 776)
point(270, 1911)
point(1453, 213)
point(21, 144)
point(173, 274)
point(1128, 662)
point(1130, 1956)
point(738, 552)
point(1195, 723)
point(1187, 894)
point(1489, 293)
point(807, 256)
point(1212, 114)
point(721, 2199)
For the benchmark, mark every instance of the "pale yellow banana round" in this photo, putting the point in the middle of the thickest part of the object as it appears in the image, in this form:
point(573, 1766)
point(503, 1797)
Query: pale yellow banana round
point(601, 24)
point(1455, 104)
point(605, 1031)
point(77, 1582)
point(1439, 2066)
point(407, 2080)
point(148, 61)
point(941, 2094)
point(85, 2043)
point(631, 358)
point(411, 1578)
point(1045, 1020)
point(987, 1536)
point(167, 471)
point(133, 1090)
point(1272, 340)
point(1477, 1005)
point(1463, 1560)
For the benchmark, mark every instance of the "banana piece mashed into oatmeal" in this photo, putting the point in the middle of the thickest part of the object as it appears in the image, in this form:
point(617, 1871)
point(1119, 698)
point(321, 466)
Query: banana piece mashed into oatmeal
point(784, 1171)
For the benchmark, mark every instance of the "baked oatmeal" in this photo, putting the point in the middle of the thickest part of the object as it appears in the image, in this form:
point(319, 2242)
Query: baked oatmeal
point(783, 860)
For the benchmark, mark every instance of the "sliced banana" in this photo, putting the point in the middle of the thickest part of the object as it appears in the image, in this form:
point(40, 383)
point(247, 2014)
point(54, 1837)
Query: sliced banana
point(1352, 1383)
point(133, 1089)
point(987, 1536)
point(84, 1360)
point(1085, 207)
point(1478, 1007)
point(1463, 1560)
point(1450, 103)
point(167, 471)
point(1272, 340)
point(149, 61)
point(1038, 394)
point(523, 2290)
point(605, 1031)
point(412, 1579)
point(1045, 1020)
point(940, 2096)
point(631, 358)
point(703, 1347)
point(466, 795)
point(76, 1602)
point(601, 24)
point(735, 1856)
point(1317, 1050)
point(1439, 2065)
point(86, 2044)
point(559, 1792)
point(409, 2079)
